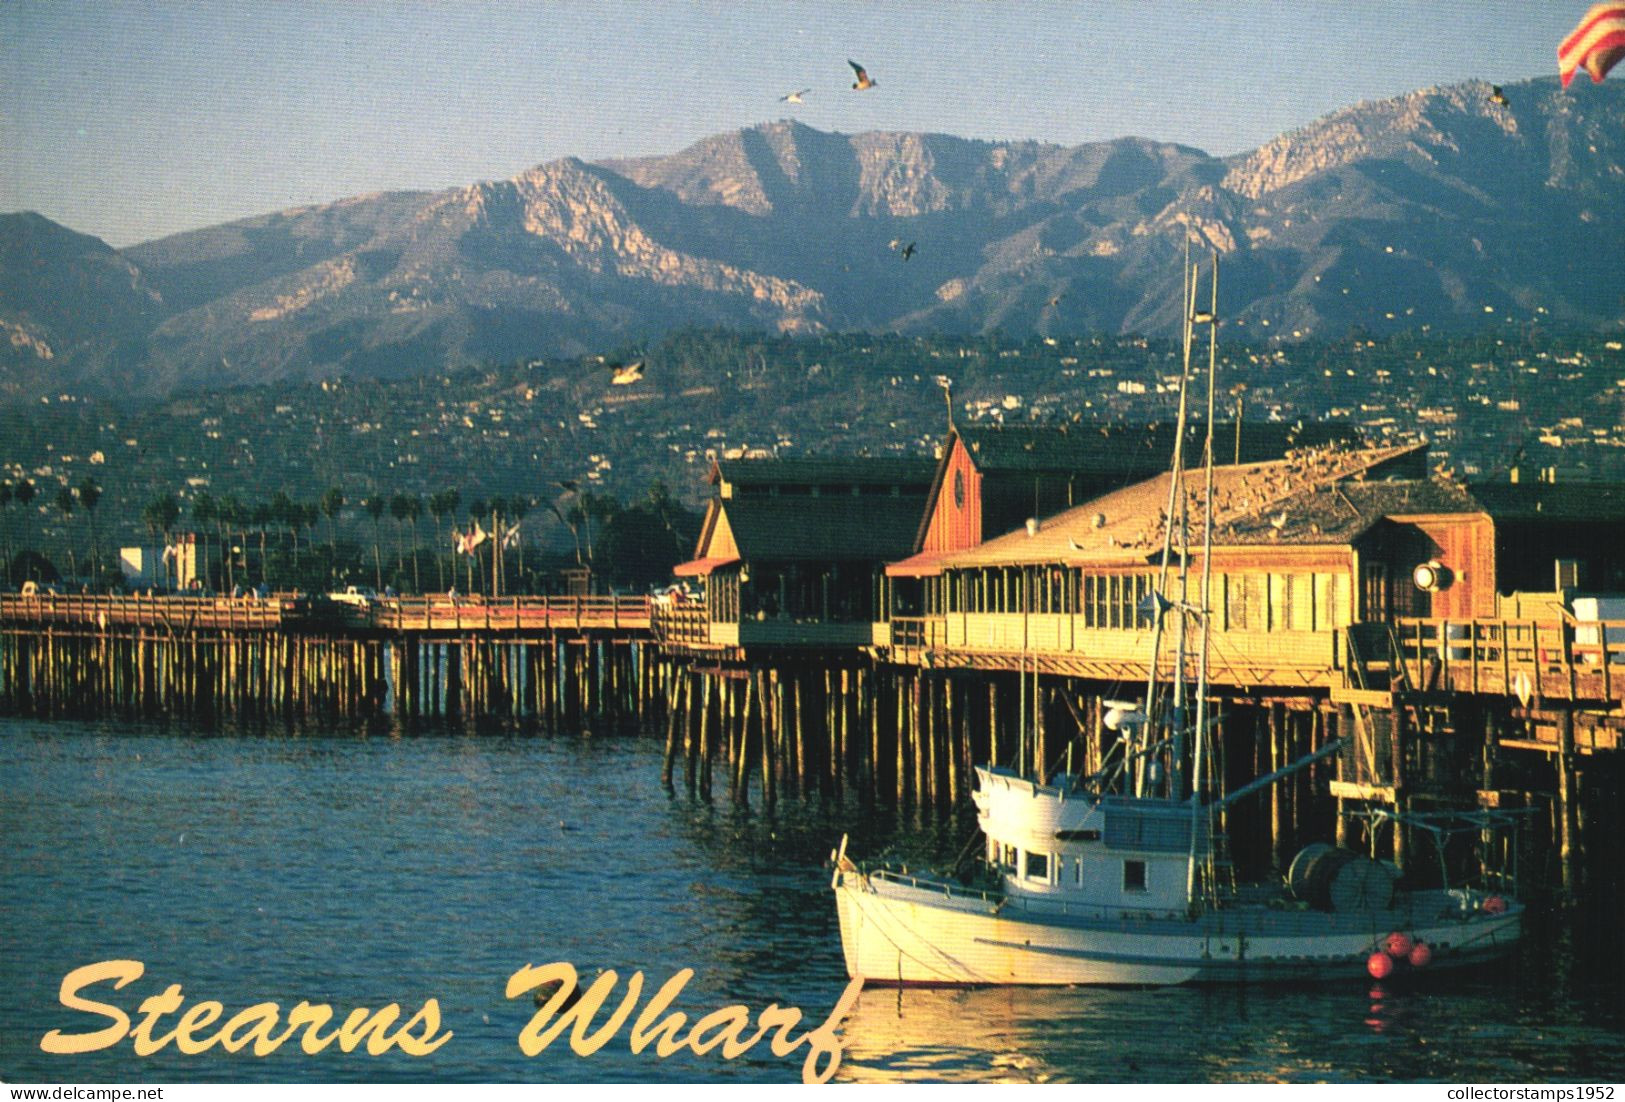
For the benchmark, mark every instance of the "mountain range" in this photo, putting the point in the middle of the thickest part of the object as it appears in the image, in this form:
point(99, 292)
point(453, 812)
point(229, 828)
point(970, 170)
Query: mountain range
point(1440, 208)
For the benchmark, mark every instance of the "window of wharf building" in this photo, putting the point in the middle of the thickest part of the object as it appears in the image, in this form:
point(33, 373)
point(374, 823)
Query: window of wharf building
point(1240, 601)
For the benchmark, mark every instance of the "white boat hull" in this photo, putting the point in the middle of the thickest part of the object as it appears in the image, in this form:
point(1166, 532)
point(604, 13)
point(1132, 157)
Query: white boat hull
point(923, 933)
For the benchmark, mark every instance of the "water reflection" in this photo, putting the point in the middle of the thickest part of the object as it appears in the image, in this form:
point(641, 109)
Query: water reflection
point(380, 862)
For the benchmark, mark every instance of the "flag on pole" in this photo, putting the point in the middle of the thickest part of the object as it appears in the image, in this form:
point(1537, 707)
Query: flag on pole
point(459, 542)
point(476, 537)
point(510, 538)
point(1596, 44)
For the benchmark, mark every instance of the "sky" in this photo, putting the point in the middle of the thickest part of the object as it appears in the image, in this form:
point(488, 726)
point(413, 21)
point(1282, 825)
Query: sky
point(131, 121)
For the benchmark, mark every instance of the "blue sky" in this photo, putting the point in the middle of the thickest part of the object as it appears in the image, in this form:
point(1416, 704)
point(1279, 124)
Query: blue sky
point(133, 120)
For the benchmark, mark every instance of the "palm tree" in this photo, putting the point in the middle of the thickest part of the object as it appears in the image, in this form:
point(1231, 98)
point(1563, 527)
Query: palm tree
point(5, 512)
point(89, 495)
point(397, 511)
point(232, 514)
point(23, 494)
point(160, 515)
point(443, 504)
point(65, 503)
point(406, 508)
point(204, 508)
point(332, 502)
point(263, 516)
point(309, 514)
point(375, 509)
point(517, 507)
point(414, 510)
point(285, 511)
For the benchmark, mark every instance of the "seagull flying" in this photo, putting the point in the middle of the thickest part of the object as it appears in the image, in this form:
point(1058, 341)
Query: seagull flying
point(794, 97)
point(626, 374)
point(1497, 96)
point(863, 80)
point(908, 250)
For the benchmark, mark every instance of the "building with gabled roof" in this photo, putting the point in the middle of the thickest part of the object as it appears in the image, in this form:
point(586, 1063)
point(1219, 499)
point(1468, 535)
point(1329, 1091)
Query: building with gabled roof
point(791, 550)
point(989, 479)
point(1302, 547)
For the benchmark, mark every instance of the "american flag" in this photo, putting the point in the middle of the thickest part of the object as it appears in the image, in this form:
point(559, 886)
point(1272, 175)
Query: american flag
point(1597, 43)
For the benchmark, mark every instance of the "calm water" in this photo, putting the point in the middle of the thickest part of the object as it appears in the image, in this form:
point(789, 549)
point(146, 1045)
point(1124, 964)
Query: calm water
point(361, 868)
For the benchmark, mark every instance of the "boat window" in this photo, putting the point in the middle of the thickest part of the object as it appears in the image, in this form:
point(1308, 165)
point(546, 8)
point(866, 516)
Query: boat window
point(1134, 876)
point(1009, 857)
point(1038, 866)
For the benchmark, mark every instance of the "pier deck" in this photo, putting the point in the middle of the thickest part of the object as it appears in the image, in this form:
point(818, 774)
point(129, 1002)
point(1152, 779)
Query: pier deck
point(288, 612)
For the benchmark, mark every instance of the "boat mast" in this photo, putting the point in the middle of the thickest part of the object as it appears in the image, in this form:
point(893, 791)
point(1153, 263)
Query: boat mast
point(1158, 600)
point(1200, 736)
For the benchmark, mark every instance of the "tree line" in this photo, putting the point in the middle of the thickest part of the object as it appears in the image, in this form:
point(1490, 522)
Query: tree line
point(435, 539)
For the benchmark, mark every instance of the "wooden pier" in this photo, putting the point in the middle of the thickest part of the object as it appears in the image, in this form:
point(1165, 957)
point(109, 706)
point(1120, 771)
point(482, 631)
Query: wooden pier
point(566, 661)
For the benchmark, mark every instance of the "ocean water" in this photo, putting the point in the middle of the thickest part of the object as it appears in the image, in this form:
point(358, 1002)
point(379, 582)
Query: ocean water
point(365, 866)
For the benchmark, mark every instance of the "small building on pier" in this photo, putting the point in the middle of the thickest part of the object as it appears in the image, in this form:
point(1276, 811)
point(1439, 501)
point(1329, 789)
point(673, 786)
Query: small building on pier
point(791, 550)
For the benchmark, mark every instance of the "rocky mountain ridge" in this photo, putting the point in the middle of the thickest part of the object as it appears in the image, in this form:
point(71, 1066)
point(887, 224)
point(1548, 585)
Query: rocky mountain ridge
point(1437, 208)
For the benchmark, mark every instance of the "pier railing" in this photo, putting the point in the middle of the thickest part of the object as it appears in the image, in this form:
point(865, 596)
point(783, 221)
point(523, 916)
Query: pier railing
point(1564, 659)
point(437, 613)
point(684, 622)
point(103, 611)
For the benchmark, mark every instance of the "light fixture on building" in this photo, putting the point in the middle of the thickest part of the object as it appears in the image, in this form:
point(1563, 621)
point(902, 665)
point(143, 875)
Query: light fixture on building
point(1432, 576)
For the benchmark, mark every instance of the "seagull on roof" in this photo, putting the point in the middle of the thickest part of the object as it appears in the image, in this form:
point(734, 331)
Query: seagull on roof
point(794, 97)
point(1074, 544)
point(1497, 96)
point(1278, 521)
point(863, 80)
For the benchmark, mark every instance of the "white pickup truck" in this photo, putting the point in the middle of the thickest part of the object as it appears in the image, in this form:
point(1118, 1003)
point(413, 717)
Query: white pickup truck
point(361, 596)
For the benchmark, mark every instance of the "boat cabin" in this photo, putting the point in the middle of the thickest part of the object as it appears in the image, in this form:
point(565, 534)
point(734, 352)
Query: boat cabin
point(1115, 855)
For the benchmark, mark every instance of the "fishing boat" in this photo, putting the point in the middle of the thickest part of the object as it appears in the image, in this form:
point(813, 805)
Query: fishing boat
point(1122, 877)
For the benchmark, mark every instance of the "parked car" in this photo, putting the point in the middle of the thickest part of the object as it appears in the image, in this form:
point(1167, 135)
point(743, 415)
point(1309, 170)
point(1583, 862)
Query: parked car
point(359, 596)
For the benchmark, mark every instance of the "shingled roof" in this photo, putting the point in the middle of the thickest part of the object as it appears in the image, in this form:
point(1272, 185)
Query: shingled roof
point(889, 470)
point(1551, 501)
point(820, 529)
point(1074, 447)
point(1316, 496)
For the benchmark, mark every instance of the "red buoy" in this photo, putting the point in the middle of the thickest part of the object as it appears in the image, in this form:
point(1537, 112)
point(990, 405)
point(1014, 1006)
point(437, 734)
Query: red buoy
point(1421, 955)
point(1398, 945)
point(1380, 965)
point(1495, 905)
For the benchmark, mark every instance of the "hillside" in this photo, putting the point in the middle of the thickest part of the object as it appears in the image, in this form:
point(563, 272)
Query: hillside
point(1438, 209)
